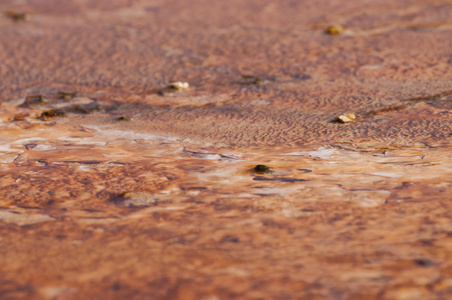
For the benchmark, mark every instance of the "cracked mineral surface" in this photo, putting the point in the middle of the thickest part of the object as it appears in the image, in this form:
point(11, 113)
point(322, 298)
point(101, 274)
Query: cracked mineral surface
point(116, 185)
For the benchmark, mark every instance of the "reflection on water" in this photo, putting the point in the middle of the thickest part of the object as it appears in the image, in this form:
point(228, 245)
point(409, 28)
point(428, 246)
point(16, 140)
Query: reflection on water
point(46, 163)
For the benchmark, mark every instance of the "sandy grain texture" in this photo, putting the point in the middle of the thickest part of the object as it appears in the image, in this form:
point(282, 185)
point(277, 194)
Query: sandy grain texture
point(115, 186)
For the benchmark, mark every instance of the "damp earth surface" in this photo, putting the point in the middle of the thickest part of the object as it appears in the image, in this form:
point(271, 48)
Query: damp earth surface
point(192, 149)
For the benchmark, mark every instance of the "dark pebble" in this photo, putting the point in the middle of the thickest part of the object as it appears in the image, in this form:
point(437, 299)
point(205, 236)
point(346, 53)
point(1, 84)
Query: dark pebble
point(261, 169)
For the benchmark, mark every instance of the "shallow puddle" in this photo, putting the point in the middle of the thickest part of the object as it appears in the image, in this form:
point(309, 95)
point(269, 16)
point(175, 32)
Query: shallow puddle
point(131, 132)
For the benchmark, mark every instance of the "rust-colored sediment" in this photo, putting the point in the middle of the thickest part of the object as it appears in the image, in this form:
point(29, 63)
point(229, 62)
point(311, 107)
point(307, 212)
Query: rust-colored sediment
point(115, 184)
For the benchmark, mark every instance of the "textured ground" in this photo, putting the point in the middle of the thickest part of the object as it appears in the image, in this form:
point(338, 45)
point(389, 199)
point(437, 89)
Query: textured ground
point(127, 189)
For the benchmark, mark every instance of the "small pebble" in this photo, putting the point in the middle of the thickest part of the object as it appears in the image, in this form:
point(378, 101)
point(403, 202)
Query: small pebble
point(261, 169)
point(52, 114)
point(67, 95)
point(251, 79)
point(178, 85)
point(124, 118)
point(424, 262)
point(348, 118)
point(335, 30)
point(19, 118)
point(17, 16)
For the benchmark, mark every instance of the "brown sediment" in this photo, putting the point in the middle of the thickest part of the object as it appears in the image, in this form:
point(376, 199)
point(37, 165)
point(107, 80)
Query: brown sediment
point(431, 97)
point(408, 103)
point(387, 109)
point(171, 205)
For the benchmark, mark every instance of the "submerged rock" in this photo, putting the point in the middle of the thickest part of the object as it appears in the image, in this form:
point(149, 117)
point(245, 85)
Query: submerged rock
point(262, 169)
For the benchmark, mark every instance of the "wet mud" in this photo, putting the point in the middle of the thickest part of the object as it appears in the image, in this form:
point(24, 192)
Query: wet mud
point(207, 150)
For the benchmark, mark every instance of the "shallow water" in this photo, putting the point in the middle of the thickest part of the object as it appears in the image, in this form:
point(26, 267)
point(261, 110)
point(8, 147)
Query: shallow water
point(130, 189)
